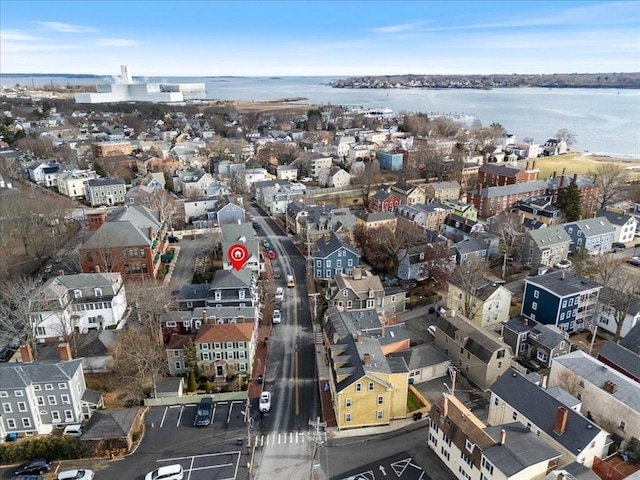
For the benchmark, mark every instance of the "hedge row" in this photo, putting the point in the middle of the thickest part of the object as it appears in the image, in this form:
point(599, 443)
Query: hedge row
point(62, 447)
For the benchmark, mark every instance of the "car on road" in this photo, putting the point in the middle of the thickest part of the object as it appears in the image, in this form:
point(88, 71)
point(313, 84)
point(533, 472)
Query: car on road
point(271, 254)
point(36, 466)
point(279, 294)
point(204, 413)
point(635, 261)
point(27, 477)
point(277, 316)
point(168, 472)
point(266, 244)
point(82, 474)
point(619, 245)
point(290, 282)
point(255, 225)
point(432, 330)
point(174, 239)
point(265, 402)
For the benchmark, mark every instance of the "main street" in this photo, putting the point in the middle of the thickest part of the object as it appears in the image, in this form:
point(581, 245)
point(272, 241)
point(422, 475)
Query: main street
point(285, 448)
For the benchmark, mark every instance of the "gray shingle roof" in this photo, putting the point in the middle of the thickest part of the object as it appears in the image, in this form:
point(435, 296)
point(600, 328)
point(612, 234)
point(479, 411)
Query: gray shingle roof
point(631, 340)
point(522, 449)
point(20, 375)
point(421, 356)
point(517, 189)
point(541, 408)
point(618, 355)
point(592, 227)
point(563, 283)
point(614, 218)
point(549, 236)
point(480, 343)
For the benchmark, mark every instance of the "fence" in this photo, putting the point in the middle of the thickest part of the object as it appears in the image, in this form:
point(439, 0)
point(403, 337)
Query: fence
point(187, 399)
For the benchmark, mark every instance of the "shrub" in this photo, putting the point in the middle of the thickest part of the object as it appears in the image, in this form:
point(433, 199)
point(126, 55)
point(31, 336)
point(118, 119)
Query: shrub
point(52, 447)
point(192, 385)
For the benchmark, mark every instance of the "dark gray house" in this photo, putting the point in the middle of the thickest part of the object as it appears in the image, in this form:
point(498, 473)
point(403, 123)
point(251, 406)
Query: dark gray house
point(535, 345)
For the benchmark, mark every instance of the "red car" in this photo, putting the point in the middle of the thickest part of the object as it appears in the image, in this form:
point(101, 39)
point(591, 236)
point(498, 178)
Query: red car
point(271, 254)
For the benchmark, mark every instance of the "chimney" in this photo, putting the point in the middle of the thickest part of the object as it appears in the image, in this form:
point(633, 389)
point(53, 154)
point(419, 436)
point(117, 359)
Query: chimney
point(61, 273)
point(610, 387)
point(562, 274)
point(528, 167)
point(561, 420)
point(359, 336)
point(205, 316)
point(554, 174)
point(64, 351)
point(503, 436)
point(445, 405)
point(26, 354)
point(479, 188)
point(533, 166)
point(357, 273)
point(563, 170)
point(367, 359)
point(562, 179)
point(96, 269)
point(575, 177)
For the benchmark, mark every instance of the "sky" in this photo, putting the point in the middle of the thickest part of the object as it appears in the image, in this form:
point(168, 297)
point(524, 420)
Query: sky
point(319, 38)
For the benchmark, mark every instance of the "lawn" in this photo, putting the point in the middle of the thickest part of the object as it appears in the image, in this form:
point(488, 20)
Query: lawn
point(575, 162)
point(413, 402)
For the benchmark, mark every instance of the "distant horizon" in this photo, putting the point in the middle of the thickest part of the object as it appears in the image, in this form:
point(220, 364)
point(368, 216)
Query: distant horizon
point(351, 38)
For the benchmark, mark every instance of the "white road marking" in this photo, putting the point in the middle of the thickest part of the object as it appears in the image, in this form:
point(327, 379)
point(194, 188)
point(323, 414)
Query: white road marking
point(163, 415)
point(179, 417)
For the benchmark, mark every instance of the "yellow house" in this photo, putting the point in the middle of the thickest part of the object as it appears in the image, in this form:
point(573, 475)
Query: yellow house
point(367, 389)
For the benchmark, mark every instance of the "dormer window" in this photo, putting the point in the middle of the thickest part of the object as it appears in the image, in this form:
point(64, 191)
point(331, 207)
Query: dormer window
point(217, 295)
point(97, 292)
point(77, 294)
point(469, 445)
point(241, 294)
point(371, 293)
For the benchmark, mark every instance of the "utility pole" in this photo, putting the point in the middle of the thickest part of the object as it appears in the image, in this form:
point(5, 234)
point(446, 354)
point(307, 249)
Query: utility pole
point(452, 373)
point(317, 440)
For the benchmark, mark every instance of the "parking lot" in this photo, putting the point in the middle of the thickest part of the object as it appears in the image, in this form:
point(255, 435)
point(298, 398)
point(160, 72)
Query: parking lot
point(214, 466)
point(226, 415)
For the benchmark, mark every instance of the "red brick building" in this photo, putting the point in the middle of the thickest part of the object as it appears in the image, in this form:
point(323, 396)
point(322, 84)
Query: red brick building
point(497, 175)
point(130, 240)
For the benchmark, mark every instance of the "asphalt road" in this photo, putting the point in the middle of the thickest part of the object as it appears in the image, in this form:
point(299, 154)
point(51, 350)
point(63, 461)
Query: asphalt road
point(291, 369)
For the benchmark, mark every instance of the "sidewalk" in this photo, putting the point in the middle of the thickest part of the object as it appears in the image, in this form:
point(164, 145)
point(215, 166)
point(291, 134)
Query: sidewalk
point(259, 361)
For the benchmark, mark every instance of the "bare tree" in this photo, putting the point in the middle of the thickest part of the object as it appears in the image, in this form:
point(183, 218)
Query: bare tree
point(611, 180)
point(38, 146)
point(508, 227)
point(17, 308)
point(367, 180)
point(567, 135)
point(623, 290)
point(468, 277)
point(437, 267)
point(164, 203)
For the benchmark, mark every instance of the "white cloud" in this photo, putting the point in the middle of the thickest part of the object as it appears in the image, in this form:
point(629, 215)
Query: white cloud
point(399, 28)
point(67, 27)
point(13, 36)
point(14, 41)
point(116, 42)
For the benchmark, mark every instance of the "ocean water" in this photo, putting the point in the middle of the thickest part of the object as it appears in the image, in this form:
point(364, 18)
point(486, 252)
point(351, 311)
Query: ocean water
point(605, 121)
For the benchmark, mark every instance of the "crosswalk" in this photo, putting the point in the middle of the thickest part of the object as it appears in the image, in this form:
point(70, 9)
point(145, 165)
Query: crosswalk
point(285, 438)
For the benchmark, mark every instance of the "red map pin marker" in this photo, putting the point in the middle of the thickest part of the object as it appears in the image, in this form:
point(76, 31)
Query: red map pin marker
point(238, 255)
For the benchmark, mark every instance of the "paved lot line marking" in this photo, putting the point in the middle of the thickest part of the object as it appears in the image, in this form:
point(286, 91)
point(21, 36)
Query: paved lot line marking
point(174, 459)
point(262, 441)
point(190, 468)
point(208, 467)
point(163, 415)
point(229, 415)
point(179, 417)
point(279, 437)
point(291, 438)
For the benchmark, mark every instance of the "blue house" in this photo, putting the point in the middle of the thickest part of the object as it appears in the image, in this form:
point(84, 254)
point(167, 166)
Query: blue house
point(391, 161)
point(333, 256)
point(595, 234)
point(561, 298)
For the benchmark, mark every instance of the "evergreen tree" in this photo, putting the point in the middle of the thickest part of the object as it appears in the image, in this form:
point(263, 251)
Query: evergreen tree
point(570, 202)
point(192, 385)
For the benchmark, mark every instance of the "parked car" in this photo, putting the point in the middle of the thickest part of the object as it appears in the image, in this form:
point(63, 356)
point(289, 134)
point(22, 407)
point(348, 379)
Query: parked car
point(635, 261)
point(174, 239)
point(290, 282)
point(271, 254)
point(168, 472)
point(563, 264)
point(277, 316)
point(204, 413)
point(279, 294)
point(48, 268)
point(255, 225)
point(619, 245)
point(36, 466)
point(27, 477)
point(74, 430)
point(76, 475)
point(432, 330)
point(265, 402)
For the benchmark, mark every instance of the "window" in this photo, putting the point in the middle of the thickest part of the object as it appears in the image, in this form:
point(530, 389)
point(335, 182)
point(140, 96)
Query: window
point(380, 399)
point(534, 306)
point(40, 401)
point(98, 292)
point(65, 399)
point(487, 465)
point(514, 416)
point(48, 386)
point(22, 407)
point(622, 425)
point(3, 394)
point(496, 402)
point(11, 423)
point(444, 453)
point(55, 416)
point(371, 386)
point(358, 387)
point(345, 292)
point(469, 445)
point(52, 400)
point(347, 417)
point(68, 416)
point(19, 393)
point(379, 415)
point(347, 402)
point(62, 386)
point(536, 294)
point(26, 422)
point(37, 388)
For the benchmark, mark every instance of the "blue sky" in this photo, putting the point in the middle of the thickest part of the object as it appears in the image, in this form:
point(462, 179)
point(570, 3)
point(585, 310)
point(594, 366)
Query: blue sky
point(264, 38)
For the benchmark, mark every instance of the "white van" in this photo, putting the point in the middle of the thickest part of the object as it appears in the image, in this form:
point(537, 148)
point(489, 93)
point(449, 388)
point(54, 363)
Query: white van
point(170, 472)
point(73, 430)
point(290, 282)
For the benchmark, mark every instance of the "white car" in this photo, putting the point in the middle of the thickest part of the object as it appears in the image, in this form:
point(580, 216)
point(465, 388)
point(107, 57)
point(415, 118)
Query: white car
point(76, 475)
point(277, 316)
point(279, 294)
point(563, 264)
point(169, 472)
point(265, 402)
